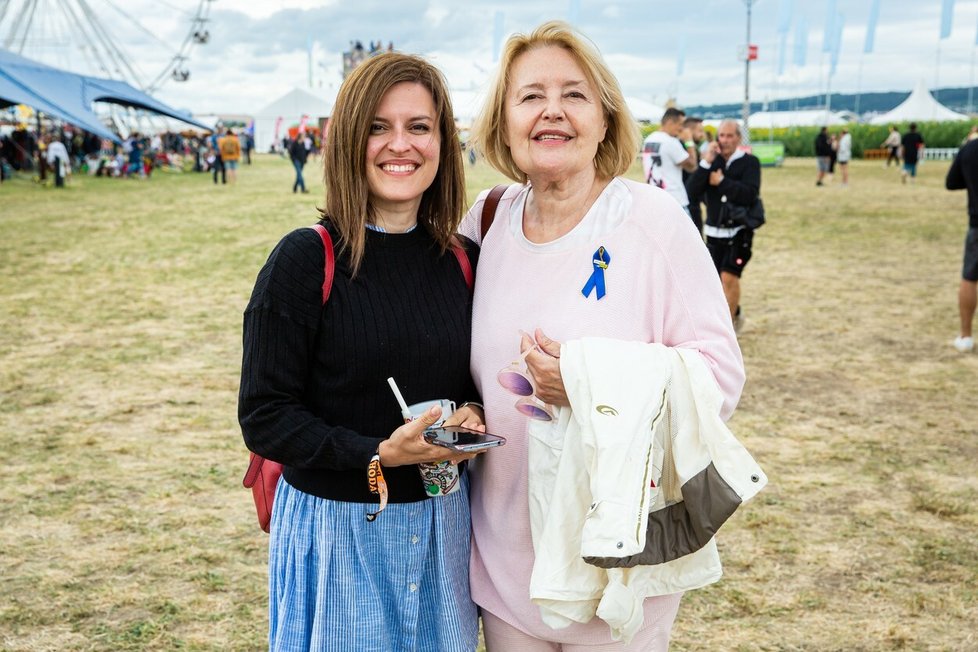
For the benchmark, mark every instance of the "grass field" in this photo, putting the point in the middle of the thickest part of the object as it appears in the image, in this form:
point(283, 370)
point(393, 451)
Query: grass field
point(125, 526)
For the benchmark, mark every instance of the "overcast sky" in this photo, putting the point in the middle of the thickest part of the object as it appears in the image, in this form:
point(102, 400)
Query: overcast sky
point(258, 50)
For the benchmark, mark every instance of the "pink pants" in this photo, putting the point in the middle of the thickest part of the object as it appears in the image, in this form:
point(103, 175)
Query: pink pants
point(503, 637)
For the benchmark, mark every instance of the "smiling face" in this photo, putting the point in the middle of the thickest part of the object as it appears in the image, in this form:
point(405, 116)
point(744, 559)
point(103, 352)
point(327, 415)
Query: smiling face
point(554, 119)
point(402, 149)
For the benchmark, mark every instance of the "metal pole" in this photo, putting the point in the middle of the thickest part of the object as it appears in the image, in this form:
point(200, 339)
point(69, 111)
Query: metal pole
point(41, 170)
point(745, 112)
point(971, 82)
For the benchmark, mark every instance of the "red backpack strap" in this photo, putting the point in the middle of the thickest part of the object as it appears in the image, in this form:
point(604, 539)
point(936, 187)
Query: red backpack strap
point(464, 263)
point(489, 208)
point(330, 263)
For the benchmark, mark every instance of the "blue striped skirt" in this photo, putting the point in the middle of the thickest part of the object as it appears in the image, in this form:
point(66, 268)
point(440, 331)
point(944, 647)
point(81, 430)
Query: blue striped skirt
point(400, 583)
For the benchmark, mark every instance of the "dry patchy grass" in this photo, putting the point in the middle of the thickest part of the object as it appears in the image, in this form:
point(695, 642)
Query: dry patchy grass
point(126, 528)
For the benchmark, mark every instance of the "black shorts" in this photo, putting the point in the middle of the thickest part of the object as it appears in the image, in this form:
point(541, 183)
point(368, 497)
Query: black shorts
point(970, 270)
point(731, 254)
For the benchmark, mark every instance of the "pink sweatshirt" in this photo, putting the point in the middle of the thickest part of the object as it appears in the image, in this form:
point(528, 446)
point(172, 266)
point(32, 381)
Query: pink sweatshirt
point(661, 286)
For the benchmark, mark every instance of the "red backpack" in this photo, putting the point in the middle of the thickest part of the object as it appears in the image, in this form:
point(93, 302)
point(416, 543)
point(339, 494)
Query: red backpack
point(263, 474)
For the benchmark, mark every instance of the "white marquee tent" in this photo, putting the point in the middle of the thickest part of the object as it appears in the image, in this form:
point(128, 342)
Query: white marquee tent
point(800, 118)
point(920, 106)
point(645, 111)
point(466, 104)
point(290, 108)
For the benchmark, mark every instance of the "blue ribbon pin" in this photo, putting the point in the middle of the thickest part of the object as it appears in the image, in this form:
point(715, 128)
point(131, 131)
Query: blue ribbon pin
point(600, 261)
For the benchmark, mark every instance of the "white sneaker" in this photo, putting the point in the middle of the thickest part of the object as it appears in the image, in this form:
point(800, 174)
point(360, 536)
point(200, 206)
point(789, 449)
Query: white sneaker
point(738, 322)
point(964, 344)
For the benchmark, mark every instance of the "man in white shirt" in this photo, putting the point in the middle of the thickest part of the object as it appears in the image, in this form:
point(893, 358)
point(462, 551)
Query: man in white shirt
point(843, 154)
point(669, 157)
point(892, 143)
point(56, 155)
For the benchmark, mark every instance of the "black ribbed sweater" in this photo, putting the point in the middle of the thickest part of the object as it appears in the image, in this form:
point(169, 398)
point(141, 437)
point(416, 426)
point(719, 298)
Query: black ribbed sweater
point(314, 393)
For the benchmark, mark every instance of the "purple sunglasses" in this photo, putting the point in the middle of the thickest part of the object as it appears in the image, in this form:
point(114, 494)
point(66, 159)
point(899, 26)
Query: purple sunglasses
point(517, 381)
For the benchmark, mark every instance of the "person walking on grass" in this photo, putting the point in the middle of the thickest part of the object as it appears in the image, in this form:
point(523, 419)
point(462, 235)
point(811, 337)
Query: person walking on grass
point(217, 165)
point(56, 156)
point(843, 154)
point(912, 146)
point(892, 143)
point(823, 154)
point(298, 154)
point(230, 148)
point(962, 175)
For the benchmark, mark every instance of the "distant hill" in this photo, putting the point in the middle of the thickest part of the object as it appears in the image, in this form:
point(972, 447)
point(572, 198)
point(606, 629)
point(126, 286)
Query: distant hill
point(955, 99)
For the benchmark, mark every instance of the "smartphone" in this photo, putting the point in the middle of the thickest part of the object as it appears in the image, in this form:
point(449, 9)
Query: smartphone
point(464, 440)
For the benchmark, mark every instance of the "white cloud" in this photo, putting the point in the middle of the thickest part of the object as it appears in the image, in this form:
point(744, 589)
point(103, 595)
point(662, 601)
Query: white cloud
point(258, 49)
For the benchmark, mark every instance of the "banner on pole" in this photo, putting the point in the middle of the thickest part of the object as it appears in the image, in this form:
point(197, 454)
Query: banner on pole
point(829, 32)
point(497, 35)
point(947, 15)
point(801, 42)
point(785, 10)
point(681, 56)
point(874, 16)
point(840, 20)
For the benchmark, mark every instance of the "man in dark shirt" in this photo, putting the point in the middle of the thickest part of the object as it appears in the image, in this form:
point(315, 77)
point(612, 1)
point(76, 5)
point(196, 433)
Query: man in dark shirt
point(727, 174)
point(695, 126)
point(912, 143)
point(823, 154)
point(298, 154)
point(964, 174)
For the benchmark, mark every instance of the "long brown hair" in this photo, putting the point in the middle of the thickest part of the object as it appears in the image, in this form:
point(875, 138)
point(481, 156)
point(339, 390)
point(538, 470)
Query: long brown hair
point(345, 153)
point(622, 141)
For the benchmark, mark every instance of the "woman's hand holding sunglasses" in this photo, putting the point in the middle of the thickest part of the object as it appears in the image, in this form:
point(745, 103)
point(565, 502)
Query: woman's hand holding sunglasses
point(526, 382)
point(544, 365)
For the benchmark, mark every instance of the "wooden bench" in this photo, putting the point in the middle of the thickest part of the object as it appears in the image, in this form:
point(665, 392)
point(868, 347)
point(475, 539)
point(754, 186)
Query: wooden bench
point(882, 152)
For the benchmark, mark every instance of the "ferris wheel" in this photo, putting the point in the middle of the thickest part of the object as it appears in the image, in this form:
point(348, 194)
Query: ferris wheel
point(121, 39)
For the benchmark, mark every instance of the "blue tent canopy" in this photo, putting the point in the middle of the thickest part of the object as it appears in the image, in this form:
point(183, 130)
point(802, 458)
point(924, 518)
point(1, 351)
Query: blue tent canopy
point(69, 96)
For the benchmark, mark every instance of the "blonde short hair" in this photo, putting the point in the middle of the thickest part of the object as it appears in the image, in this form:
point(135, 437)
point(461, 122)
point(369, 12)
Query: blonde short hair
point(622, 141)
point(345, 153)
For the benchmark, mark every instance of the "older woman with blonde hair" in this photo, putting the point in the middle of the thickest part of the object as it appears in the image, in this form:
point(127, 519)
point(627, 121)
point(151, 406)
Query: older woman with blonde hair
point(572, 250)
point(364, 555)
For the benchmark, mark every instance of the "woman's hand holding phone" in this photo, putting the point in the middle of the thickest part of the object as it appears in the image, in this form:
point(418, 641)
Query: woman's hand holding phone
point(469, 416)
point(407, 445)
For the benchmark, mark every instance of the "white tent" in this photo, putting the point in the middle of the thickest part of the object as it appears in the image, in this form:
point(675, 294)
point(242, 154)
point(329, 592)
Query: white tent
point(466, 104)
point(801, 118)
point(644, 111)
point(920, 106)
point(290, 108)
